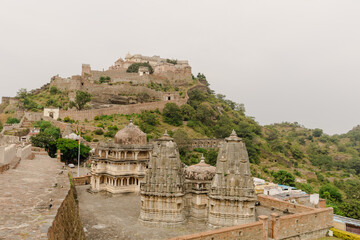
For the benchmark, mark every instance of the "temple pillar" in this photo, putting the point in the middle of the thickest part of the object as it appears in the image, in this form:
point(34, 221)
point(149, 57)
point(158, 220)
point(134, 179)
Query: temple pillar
point(136, 155)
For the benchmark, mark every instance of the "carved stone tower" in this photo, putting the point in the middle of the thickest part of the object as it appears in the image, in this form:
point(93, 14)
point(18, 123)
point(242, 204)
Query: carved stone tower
point(163, 190)
point(232, 198)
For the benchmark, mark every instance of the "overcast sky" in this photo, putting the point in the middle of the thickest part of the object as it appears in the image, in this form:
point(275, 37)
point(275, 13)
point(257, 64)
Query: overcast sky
point(286, 60)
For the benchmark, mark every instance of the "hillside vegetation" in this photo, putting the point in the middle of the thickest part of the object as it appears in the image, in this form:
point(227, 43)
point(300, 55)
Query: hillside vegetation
point(286, 153)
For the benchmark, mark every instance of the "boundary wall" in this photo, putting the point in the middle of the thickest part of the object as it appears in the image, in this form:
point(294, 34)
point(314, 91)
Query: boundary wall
point(305, 223)
point(251, 231)
point(122, 109)
point(25, 152)
point(7, 153)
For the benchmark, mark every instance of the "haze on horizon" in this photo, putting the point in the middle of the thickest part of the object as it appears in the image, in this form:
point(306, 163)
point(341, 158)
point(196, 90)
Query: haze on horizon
point(295, 61)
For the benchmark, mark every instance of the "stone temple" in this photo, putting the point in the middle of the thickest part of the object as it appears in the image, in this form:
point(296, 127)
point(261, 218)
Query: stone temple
point(119, 166)
point(171, 193)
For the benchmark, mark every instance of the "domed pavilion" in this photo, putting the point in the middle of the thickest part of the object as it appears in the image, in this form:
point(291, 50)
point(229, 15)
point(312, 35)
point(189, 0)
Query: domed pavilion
point(119, 166)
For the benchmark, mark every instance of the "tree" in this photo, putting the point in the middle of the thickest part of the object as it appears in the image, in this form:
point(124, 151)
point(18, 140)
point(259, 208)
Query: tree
point(45, 140)
point(182, 140)
point(351, 209)
point(81, 99)
point(187, 111)
point(317, 132)
point(284, 177)
point(211, 156)
point(53, 90)
point(330, 193)
point(69, 149)
point(172, 114)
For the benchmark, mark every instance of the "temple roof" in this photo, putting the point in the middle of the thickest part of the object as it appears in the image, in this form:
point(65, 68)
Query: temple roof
point(130, 134)
point(200, 171)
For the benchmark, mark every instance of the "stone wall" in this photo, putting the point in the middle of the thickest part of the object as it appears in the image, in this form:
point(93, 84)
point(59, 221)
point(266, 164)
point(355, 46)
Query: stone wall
point(305, 226)
point(67, 223)
point(271, 202)
point(82, 180)
point(122, 109)
point(7, 153)
point(25, 152)
point(251, 231)
point(34, 116)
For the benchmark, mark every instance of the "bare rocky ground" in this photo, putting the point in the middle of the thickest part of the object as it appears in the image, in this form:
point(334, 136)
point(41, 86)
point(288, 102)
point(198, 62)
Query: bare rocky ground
point(25, 194)
point(107, 217)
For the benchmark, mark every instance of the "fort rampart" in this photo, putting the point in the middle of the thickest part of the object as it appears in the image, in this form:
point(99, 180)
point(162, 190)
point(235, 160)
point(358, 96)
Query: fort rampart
point(305, 223)
point(7, 153)
point(67, 223)
point(122, 109)
point(271, 202)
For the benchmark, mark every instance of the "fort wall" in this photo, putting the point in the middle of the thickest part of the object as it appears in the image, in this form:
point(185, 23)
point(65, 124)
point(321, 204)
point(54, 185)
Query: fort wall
point(25, 152)
point(121, 109)
point(67, 223)
point(271, 202)
point(306, 226)
point(7, 153)
point(249, 231)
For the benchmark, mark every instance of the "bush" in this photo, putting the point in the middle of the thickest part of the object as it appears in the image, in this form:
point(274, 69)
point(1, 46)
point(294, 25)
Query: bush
point(284, 177)
point(67, 119)
point(99, 132)
point(104, 79)
point(11, 120)
point(344, 235)
point(110, 134)
point(88, 138)
point(134, 68)
point(53, 90)
point(172, 114)
point(330, 193)
point(100, 125)
point(96, 118)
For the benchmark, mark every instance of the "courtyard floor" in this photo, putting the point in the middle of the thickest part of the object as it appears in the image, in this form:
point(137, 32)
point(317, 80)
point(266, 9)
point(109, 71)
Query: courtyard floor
point(107, 217)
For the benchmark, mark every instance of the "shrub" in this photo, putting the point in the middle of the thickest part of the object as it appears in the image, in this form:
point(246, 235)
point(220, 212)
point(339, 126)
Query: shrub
point(330, 193)
point(67, 119)
point(110, 134)
point(53, 90)
point(100, 125)
point(317, 132)
point(284, 177)
point(104, 79)
point(96, 118)
point(95, 140)
point(11, 120)
point(344, 235)
point(88, 138)
point(99, 132)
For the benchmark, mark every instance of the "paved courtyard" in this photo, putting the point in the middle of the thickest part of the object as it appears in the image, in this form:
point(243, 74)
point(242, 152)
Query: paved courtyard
point(107, 217)
point(25, 194)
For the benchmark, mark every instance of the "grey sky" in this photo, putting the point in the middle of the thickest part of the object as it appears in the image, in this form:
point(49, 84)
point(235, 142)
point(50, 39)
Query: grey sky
point(286, 60)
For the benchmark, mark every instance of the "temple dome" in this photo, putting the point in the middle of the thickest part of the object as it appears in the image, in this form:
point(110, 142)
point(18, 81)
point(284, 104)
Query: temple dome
point(130, 134)
point(200, 171)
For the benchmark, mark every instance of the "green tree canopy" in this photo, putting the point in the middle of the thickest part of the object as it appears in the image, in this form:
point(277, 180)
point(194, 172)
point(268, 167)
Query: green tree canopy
point(81, 99)
point(172, 114)
point(284, 177)
point(69, 149)
point(330, 193)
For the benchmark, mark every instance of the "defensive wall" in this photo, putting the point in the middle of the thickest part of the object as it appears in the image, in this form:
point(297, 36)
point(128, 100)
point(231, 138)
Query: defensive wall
point(67, 223)
point(25, 152)
point(305, 223)
point(7, 153)
point(121, 109)
point(257, 230)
